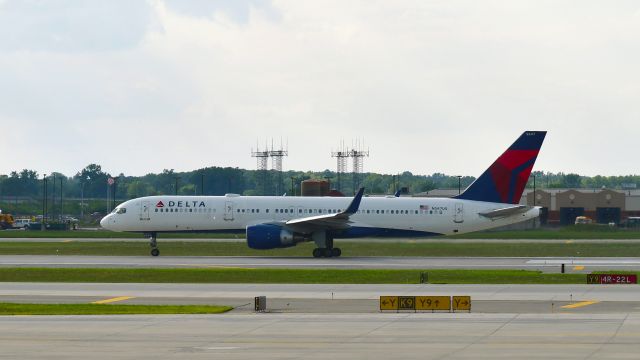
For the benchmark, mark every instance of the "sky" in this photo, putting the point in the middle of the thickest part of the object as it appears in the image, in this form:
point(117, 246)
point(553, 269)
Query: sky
point(426, 86)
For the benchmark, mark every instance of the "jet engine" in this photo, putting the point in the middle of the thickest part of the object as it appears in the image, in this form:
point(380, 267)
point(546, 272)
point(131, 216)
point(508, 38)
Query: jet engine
point(268, 236)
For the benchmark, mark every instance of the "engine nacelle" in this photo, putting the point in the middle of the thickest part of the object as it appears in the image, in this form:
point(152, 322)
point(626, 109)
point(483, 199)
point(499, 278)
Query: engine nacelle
point(268, 236)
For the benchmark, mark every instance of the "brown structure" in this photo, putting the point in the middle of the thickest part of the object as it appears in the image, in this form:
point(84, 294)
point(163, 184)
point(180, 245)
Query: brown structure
point(315, 188)
point(604, 206)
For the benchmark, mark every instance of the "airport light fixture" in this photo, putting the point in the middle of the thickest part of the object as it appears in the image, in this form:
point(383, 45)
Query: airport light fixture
point(459, 184)
point(535, 200)
point(176, 179)
point(44, 202)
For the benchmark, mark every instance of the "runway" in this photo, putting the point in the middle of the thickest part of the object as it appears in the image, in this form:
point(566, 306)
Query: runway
point(577, 264)
point(309, 336)
point(339, 321)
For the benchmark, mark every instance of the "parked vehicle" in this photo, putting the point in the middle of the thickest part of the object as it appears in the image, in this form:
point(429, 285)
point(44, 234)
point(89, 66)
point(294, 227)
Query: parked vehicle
point(583, 220)
point(6, 221)
point(22, 224)
point(631, 222)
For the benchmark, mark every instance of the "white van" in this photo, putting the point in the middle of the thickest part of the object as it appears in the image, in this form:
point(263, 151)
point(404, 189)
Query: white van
point(22, 224)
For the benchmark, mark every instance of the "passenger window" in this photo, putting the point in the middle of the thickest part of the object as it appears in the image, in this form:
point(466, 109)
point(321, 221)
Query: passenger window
point(267, 211)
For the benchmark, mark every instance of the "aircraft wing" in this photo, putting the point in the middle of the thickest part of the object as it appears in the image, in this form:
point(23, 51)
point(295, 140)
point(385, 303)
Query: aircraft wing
point(337, 221)
point(504, 212)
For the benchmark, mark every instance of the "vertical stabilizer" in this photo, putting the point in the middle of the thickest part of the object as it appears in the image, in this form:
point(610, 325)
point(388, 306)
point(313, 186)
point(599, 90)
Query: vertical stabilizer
point(506, 178)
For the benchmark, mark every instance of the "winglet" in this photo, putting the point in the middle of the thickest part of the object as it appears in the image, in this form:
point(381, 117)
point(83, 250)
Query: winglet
point(355, 203)
point(397, 194)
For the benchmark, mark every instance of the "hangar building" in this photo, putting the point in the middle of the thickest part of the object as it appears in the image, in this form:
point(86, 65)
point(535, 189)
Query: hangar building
point(562, 206)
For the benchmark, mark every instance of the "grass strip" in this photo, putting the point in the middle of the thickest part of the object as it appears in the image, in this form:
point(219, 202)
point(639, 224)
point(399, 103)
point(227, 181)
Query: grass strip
point(282, 276)
point(95, 309)
point(351, 248)
point(104, 234)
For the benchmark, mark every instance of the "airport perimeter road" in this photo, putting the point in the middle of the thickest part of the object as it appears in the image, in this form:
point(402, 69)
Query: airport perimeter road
point(543, 264)
point(306, 336)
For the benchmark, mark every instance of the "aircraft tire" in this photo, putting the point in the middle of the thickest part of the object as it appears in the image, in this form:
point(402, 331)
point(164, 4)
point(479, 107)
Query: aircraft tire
point(155, 252)
point(336, 252)
point(317, 253)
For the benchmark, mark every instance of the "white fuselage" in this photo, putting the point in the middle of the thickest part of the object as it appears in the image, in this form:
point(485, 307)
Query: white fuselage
point(376, 216)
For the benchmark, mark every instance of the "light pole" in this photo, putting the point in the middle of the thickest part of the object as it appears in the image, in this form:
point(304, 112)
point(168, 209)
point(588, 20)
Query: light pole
point(61, 200)
point(44, 203)
point(459, 184)
point(535, 200)
point(177, 178)
point(293, 190)
point(81, 200)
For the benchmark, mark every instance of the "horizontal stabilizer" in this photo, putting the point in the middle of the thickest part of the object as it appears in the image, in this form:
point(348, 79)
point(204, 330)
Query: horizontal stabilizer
point(504, 212)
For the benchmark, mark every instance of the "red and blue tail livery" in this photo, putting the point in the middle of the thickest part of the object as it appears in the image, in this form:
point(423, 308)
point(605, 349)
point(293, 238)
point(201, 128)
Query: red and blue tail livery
point(507, 177)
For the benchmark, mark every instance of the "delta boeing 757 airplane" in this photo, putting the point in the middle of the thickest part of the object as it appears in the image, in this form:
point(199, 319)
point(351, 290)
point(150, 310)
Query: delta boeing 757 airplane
point(277, 222)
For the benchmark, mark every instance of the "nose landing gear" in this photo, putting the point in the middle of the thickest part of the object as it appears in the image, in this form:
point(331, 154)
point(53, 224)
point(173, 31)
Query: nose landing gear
point(153, 243)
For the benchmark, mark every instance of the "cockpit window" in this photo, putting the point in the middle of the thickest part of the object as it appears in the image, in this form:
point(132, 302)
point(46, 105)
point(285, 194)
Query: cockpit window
point(121, 210)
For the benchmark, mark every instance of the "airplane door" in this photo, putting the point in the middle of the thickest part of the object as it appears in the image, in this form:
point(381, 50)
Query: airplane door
point(144, 211)
point(458, 215)
point(229, 207)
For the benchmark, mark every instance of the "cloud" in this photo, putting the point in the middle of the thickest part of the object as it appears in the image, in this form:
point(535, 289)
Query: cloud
point(439, 86)
point(73, 26)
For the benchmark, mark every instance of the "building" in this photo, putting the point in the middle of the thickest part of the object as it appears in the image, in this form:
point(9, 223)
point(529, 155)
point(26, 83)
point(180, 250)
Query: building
point(562, 206)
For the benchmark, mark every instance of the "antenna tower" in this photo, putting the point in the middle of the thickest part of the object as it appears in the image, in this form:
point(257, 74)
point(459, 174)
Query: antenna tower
point(357, 155)
point(276, 163)
point(341, 159)
point(262, 158)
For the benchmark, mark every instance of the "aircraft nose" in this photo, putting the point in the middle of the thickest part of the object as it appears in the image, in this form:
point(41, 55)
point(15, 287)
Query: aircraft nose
point(105, 222)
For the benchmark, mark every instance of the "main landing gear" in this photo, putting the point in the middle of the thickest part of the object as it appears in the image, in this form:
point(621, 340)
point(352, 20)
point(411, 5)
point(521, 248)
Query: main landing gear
point(153, 243)
point(326, 252)
point(325, 246)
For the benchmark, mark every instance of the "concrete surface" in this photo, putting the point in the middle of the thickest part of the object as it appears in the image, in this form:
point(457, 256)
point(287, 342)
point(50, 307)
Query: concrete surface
point(335, 336)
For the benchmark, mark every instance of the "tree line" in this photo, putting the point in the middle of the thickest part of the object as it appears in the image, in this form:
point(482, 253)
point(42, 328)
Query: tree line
point(92, 182)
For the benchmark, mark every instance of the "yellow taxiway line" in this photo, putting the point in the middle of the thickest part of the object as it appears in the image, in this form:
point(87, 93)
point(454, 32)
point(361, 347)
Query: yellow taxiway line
point(579, 304)
point(111, 300)
point(578, 267)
